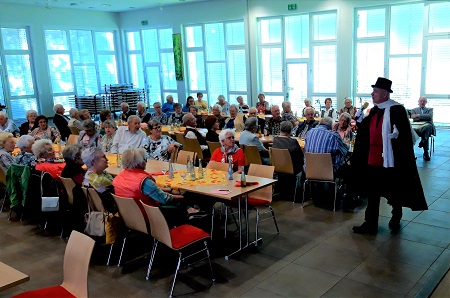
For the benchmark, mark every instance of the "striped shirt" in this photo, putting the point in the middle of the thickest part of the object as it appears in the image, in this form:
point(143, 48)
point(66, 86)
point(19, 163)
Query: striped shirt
point(323, 140)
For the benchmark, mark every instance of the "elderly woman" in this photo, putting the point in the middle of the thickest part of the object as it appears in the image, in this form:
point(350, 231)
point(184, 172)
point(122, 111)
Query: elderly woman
point(104, 116)
point(75, 119)
point(229, 152)
point(74, 164)
point(262, 105)
point(343, 127)
point(47, 162)
point(308, 105)
point(7, 145)
point(25, 156)
point(189, 103)
point(44, 131)
point(110, 131)
point(96, 176)
point(348, 108)
point(217, 111)
point(243, 107)
point(201, 104)
point(134, 182)
point(194, 111)
point(235, 120)
point(31, 123)
point(142, 112)
point(221, 101)
point(89, 137)
point(212, 124)
point(159, 146)
point(284, 141)
point(248, 138)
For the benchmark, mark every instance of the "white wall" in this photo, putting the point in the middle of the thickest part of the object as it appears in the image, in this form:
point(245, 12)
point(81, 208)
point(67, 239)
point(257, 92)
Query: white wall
point(38, 19)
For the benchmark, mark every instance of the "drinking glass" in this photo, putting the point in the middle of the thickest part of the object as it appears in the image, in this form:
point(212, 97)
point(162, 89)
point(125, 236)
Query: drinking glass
point(183, 175)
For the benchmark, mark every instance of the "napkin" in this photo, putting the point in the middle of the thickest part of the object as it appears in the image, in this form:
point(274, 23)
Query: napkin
point(156, 173)
point(238, 183)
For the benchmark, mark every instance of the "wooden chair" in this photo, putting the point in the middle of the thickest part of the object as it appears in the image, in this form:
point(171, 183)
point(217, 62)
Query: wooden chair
point(132, 217)
point(74, 130)
point(147, 131)
point(69, 185)
point(76, 265)
point(3, 182)
point(252, 155)
point(182, 156)
point(213, 146)
point(282, 161)
point(177, 239)
point(194, 146)
point(319, 168)
point(174, 154)
point(72, 140)
point(179, 137)
point(217, 166)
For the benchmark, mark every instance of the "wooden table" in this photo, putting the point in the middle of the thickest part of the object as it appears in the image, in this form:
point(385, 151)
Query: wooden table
point(167, 129)
point(10, 277)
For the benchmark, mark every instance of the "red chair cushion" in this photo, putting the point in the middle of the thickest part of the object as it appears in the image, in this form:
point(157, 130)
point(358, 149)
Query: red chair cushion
point(252, 202)
point(184, 235)
point(56, 291)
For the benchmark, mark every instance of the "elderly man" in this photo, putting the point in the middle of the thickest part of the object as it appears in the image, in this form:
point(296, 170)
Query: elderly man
point(252, 112)
point(74, 119)
point(61, 121)
point(323, 140)
point(273, 124)
point(158, 115)
point(308, 124)
point(177, 116)
point(384, 162)
point(191, 132)
point(287, 114)
point(126, 111)
point(142, 112)
point(130, 136)
point(248, 138)
point(168, 106)
point(243, 107)
point(7, 125)
point(423, 114)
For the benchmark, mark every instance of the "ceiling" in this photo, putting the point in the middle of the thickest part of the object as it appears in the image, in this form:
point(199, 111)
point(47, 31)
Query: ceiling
point(101, 5)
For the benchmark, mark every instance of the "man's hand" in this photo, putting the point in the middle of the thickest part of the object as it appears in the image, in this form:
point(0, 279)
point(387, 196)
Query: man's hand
point(414, 116)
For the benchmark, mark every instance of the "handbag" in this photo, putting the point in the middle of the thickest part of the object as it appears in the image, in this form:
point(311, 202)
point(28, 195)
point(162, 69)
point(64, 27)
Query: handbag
point(49, 204)
point(114, 227)
point(95, 221)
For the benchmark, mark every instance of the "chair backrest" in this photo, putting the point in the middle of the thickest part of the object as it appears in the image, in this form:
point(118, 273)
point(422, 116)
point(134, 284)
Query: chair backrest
point(72, 140)
point(182, 156)
point(281, 159)
point(69, 185)
point(194, 146)
point(179, 137)
point(319, 166)
point(131, 214)
point(215, 165)
point(213, 146)
point(2, 176)
point(76, 264)
point(264, 193)
point(174, 154)
point(158, 225)
point(147, 131)
point(251, 155)
point(95, 200)
point(74, 130)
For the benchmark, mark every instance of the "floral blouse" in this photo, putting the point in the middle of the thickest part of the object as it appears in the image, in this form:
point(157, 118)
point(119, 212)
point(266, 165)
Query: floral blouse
point(49, 134)
point(26, 159)
point(158, 149)
point(99, 182)
point(107, 142)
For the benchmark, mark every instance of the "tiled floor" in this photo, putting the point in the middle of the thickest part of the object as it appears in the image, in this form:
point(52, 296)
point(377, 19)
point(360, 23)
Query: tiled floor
point(316, 254)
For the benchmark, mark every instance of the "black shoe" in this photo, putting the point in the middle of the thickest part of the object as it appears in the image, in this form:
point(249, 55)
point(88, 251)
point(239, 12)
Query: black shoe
point(426, 156)
point(365, 229)
point(394, 225)
point(420, 144)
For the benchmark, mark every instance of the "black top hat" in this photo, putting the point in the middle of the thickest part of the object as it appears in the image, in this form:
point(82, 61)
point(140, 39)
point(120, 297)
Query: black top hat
point(383, 83)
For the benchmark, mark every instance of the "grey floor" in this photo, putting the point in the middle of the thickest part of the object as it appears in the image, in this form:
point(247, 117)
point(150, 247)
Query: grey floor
point(316, 254)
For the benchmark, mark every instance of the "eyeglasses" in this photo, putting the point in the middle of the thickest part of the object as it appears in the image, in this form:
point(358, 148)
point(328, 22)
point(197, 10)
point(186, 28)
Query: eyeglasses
point(157, 127)
point(230, 138)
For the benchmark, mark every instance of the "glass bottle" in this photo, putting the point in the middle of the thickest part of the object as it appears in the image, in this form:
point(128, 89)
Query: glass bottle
point(200, 169)
point(230, 169)
point(243, 178)
point(171, 175)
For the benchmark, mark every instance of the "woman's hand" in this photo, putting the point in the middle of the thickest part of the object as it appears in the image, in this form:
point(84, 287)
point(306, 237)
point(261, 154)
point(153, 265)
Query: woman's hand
point(171, 148)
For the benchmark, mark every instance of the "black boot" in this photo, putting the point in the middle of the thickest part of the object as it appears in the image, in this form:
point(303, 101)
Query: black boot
point(365, 229)
point(426, 156)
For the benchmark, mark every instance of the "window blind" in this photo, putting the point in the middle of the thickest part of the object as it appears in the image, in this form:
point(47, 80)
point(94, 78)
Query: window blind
point(406, 30)
point(214, 38)
point(371, 23)
point(297, 36)
point(324, 69)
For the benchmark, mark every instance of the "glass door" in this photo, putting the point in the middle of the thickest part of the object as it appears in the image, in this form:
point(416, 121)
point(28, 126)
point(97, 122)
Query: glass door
point(297, 85)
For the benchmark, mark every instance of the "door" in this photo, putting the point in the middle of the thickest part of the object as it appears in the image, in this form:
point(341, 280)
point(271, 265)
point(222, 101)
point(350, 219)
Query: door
point(297, 85)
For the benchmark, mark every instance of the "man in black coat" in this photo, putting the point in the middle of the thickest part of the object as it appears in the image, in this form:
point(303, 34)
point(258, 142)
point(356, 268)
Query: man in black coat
point(383, 161)
point(61, 121)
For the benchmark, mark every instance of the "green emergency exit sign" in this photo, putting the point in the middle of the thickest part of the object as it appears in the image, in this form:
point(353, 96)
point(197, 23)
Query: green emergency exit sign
point(292, 6)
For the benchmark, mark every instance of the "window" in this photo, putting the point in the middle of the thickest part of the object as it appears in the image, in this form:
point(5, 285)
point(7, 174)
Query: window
point(297, 57)
point(216, 61)
point(152, 64)
point(81, 62)
point(409, 45)
point(16, 75)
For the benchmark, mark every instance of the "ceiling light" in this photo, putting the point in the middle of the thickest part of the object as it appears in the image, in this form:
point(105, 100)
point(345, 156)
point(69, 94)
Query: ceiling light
point(106, 5)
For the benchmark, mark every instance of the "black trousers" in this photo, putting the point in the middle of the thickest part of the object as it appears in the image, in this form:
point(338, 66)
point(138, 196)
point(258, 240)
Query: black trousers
point(424, 132)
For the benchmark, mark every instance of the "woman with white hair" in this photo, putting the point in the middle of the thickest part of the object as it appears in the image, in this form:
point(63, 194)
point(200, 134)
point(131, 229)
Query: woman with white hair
point(7, 145)
point(343, 127)
point(134, 182)
point(142, 112)
point(229, 152)
point(25, 156)
point(47, 162)
point(89, 137)
point(75, 119)
point(217, 111)
point(110, 131)
point(221, 101)
point(159, 146)
point(74, 164)
point(96, 176)
point(31, 124)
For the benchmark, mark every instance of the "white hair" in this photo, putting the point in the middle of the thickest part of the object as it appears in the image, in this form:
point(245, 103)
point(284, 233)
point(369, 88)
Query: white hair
point(3, 137)
point(221, 97)
point(169, 96)
point(187, 117)
point(38, 147)
point(217, 106)
point(73, 112)
point(142, 104)
point(131, 118)
point(56, 107)
point(134, 158)
point(3, 114)
point(328, 121)
point(224, 132)
point(29, 112)
point(24, 142)
point(307, 100)
point(124, 104)
point(91, 155)
point(285, 104)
